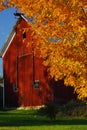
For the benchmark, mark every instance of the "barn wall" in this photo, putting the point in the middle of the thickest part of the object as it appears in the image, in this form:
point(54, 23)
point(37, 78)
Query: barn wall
point(9, 70)
point(22, 69)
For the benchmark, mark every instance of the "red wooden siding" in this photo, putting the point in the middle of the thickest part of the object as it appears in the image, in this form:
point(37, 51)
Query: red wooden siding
point(25, 80)
point(22, 69)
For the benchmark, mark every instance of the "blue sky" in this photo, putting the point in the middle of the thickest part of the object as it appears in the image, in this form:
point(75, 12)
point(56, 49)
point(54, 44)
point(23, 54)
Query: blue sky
point(7, 20)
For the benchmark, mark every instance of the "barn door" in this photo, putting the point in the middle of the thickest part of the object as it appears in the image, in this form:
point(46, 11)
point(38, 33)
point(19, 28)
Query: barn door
point(25, 79)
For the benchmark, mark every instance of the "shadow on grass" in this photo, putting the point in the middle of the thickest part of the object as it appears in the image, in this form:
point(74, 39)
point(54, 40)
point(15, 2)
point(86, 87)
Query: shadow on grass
point(35, 120)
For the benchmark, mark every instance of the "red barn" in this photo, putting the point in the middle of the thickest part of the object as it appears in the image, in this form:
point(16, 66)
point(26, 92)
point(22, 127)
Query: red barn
point(25, 78)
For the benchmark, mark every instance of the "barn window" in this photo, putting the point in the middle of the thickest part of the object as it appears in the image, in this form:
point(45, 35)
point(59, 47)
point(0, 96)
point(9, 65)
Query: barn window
point(15, 88)
point(36, 83)
point(24, 34)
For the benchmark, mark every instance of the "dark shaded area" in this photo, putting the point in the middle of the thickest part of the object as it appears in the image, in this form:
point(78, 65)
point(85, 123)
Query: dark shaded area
point(62, 94)
point(24, 119)
point(11, 97)
point(1, 97)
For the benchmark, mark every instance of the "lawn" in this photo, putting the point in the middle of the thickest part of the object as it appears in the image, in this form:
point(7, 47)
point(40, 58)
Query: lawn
point(29, 120)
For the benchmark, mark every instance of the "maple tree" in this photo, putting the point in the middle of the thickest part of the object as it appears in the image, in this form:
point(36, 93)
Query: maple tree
point(62, 39)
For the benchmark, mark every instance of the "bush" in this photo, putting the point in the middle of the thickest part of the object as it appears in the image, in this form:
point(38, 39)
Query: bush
point(50, 110)
point(73, 108)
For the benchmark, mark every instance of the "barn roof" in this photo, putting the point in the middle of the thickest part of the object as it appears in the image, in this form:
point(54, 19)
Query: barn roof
point(12, 33)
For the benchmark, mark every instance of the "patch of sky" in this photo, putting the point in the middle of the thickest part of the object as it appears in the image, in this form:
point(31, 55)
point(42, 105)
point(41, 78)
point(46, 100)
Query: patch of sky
point(5, 2)
point(7, 20)
point(54, 40)
point(60, 22)
point(85, 8)
point(31, 19)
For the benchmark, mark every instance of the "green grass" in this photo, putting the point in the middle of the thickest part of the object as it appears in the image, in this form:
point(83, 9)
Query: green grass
point(29, 120)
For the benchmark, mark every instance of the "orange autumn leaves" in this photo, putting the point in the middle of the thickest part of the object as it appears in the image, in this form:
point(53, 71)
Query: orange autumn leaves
point(61, 26)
